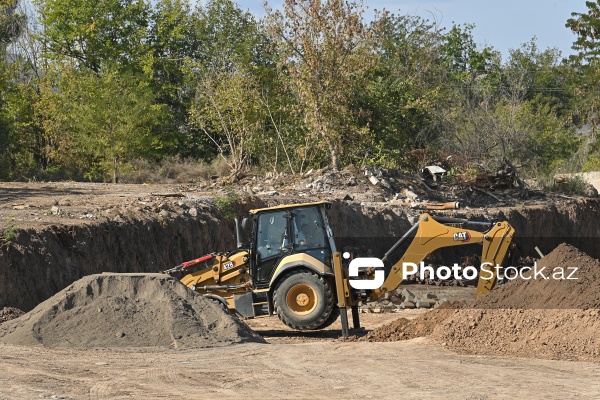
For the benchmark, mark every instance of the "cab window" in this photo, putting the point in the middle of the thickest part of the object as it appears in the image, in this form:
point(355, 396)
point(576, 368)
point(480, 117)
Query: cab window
point(272, 235)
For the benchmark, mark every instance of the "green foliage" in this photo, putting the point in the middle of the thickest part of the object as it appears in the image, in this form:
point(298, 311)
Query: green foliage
point(226, 203)
point(98, 121)
point(95, 88)
point(9, 232)
point(587, 64)
point(404, 89)
point(325, 52)
point(592, 163)
point(97, 33)
point(11, 22)
point(587, 28)
point(228, 110)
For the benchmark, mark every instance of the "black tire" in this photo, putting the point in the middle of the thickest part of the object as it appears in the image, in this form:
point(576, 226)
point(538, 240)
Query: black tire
point(305, 301)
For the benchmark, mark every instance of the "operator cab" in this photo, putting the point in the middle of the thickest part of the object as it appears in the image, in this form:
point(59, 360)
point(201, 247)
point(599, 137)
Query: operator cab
point(285, 232)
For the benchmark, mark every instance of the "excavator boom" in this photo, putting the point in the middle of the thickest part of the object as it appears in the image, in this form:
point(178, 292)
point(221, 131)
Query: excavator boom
point(432, 234)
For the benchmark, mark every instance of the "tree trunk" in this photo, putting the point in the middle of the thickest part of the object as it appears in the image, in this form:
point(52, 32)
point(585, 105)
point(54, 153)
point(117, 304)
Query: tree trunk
point(335, 163)
point(114, 180)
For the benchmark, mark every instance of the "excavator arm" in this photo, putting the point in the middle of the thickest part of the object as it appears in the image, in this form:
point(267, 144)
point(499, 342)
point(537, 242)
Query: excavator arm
point(433, 233)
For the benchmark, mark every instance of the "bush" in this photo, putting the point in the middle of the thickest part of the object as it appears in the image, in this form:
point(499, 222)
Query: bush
point(226, 203)
point(573, 185)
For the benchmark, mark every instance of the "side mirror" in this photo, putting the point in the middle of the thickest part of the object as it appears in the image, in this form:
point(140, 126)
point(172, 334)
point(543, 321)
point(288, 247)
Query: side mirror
point(245, 223)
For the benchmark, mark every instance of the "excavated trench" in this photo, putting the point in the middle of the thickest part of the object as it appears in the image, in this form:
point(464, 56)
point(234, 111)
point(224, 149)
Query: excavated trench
point(39, 263)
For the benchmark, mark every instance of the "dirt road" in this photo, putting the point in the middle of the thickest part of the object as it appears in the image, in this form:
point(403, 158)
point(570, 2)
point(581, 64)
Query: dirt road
point(317, 370)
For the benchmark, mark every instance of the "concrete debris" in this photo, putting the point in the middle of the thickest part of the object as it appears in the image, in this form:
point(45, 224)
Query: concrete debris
point(401, 299)
point(434, 172)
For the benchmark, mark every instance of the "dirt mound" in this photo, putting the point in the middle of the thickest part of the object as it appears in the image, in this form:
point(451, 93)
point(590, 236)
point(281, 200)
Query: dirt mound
point(552, 293)
point(8, 313)
point(404, 329)
point(127, 310)
point(543, 318)
point(554, 334)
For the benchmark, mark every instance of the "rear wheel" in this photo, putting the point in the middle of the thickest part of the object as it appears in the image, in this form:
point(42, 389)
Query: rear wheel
point(305, 301)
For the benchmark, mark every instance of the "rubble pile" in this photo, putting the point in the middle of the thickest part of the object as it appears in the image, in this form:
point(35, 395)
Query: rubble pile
point(401, 299)
point(8, 313)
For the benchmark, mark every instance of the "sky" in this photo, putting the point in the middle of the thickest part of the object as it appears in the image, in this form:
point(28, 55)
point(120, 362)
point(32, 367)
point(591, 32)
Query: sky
point(503, 24)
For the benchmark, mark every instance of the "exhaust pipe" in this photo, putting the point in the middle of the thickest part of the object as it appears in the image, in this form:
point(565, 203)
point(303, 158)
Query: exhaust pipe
point(238, 234)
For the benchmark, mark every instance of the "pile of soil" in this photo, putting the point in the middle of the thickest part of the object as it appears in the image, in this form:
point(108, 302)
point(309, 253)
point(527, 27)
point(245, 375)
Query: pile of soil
point(553, 334)
point(404, 329)
point(549, 331)
point(8, 313)
point(582, 293)
point(127, 310)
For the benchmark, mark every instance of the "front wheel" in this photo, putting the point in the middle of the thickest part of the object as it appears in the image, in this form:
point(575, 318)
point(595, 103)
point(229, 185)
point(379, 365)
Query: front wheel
point(305, 301)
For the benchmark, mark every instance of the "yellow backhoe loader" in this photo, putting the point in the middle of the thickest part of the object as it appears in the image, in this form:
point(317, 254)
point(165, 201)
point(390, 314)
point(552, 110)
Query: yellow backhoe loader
point(291, 266)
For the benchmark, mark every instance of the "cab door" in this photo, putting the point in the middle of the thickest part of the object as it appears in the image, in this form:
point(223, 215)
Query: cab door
point(271, 245)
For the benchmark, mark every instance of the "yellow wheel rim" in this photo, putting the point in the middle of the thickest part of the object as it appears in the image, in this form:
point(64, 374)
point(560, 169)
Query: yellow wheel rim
point(301, 299)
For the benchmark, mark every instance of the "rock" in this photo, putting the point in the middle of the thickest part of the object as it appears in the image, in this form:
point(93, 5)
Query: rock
point(386, 184)
point(591, 191)
point(269, 193)
point(164, 214)
point(373, 180)
point(407, 305)
point(409, 194)
point(407, 295)
point(55, 210)
point(425, 303)
point(193, 211)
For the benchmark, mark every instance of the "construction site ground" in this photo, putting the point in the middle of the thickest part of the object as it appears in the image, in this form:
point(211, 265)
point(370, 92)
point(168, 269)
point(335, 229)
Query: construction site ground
point(291, 364)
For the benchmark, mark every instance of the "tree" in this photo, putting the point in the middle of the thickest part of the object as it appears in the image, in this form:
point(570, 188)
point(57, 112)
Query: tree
point(515, 120)
point(97, 33)
point(98, 121)
point(403, 89)
point(326, 50)
point(229, 111)
point(11, 22)
point(587, 28)
point(587, 64)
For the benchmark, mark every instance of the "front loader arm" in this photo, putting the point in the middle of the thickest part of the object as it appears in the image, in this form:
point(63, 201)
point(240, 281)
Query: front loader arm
point(433, 234)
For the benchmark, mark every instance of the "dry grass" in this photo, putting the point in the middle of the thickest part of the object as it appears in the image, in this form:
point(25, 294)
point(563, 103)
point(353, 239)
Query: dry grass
point(172, 170)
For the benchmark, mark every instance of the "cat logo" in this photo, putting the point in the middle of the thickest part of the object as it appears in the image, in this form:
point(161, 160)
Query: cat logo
point(228, 265)
point(462, 237)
